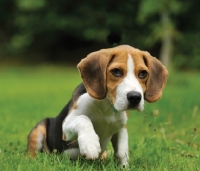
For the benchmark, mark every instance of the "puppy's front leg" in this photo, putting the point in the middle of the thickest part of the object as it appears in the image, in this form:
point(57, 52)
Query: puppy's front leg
point(80, 127)
point(120, 145)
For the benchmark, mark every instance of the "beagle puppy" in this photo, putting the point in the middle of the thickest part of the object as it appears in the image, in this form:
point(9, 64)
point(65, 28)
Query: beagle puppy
point(114, 80)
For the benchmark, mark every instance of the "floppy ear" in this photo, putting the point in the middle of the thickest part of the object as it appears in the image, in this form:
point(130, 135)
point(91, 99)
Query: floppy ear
point(157, 78)
point(93, 72)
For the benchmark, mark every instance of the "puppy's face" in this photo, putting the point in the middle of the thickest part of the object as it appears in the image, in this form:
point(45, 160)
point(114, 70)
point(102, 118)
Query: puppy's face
point(127, 75)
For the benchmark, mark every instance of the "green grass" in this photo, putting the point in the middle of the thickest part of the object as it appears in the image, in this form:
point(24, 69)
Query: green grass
point(167, 141)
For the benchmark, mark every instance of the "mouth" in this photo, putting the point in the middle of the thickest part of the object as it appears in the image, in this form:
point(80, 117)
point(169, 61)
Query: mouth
point(135, 107)
point(130, 107)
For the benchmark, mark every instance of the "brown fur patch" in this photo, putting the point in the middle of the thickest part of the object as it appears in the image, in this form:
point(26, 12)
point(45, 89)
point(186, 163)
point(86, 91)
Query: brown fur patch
point(139, 65)
point(120, 62)
point(104, 155)
point(39, 130)
point(64, 137)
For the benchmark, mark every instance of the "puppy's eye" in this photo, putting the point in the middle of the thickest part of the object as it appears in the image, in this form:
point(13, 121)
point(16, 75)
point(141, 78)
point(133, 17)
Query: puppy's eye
point(117, 72)
point(143, 74)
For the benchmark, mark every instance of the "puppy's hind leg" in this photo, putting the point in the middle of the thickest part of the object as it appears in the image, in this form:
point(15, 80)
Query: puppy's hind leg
point(37, 139)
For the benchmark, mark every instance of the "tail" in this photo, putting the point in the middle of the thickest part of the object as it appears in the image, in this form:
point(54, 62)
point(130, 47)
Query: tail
point(37, 139)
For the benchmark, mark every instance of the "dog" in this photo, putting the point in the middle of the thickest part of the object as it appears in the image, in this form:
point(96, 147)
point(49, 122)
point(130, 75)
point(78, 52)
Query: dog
point(114, 80)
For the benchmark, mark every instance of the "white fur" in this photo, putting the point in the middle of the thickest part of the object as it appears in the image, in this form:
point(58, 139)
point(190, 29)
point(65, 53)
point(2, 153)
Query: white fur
point(122, 147)
point(40, 141)
point(130, 83)
point(93, 123)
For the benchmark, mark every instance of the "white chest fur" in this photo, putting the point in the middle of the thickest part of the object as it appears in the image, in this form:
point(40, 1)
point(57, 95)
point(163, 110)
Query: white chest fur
point(105, 120)
point(91, 114)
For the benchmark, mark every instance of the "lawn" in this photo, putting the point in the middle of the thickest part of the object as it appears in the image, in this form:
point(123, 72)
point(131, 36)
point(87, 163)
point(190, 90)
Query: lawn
point(165, 136)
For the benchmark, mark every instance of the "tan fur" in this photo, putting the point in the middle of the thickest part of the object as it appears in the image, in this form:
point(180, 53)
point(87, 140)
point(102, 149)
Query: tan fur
point(64, 137)
point(33, 139)
point(104, 155)
point(119, 61)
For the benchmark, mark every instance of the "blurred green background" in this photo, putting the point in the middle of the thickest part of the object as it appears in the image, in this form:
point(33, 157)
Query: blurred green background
point(41, 41)
point(39, 31)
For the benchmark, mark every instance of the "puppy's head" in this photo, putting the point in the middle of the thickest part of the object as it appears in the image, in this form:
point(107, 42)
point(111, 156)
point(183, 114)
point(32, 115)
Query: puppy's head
point(125, 75)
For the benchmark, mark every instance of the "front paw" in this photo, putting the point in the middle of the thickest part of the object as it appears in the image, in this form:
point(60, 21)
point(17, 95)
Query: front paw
point(89, 146)
point(123, 164)
point(122, 158)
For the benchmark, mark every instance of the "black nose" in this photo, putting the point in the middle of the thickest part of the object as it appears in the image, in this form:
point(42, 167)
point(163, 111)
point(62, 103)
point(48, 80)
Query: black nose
point(134, 98)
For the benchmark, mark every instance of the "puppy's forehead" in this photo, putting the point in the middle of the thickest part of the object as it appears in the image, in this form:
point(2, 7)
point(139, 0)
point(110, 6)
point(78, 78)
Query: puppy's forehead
point(121, 57)
point(123, 54)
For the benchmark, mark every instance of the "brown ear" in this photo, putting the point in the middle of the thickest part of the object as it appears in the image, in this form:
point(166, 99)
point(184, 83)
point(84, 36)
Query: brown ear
point(157, 78)
point(93, 72)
